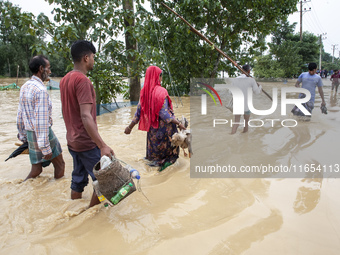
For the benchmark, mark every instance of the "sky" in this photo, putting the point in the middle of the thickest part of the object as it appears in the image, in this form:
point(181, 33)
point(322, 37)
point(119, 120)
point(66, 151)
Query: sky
point(321, 19)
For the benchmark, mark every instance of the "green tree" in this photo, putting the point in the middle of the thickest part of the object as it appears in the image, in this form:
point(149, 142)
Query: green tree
point(100, 22)
point(326, 57)
point(96, 21)
point(22, 35)
point(266, 67)
point(327, 62)
point(288, 55)
point(308, 48)
point(15, 39)
point(236, 27)
point(284, 51)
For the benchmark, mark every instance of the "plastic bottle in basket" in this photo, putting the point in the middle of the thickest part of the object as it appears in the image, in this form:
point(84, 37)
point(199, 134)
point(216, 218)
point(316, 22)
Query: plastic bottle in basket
point(133, 172)
point(121, 193)
point(100, 195)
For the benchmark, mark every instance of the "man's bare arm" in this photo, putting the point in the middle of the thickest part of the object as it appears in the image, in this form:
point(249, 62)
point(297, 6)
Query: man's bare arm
point(92, 130)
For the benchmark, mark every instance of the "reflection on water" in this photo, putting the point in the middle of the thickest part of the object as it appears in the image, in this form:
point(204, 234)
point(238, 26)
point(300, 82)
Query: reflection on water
point(308, 197)
point(186, 216)
point(334, 99)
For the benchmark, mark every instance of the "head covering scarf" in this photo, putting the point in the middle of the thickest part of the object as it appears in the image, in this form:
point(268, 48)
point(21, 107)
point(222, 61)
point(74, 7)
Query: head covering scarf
point(152, 98)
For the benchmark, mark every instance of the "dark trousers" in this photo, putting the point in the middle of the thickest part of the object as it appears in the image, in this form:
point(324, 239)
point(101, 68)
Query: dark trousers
point(83, 163)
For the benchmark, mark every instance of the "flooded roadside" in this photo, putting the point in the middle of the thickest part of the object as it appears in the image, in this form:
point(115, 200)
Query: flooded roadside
point(186, 216)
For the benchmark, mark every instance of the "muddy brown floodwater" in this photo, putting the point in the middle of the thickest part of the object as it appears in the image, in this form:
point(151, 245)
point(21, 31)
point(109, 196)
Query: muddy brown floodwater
point(293, 216)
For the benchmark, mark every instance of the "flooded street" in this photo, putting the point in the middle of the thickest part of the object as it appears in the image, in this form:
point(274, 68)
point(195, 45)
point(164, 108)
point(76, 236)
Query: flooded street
point(281, 216)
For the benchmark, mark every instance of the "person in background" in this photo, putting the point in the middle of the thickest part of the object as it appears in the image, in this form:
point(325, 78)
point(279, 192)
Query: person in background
point(335, 80)
point(244, 82)
point(155, 115)
point(310, 80)
point(34, 121)
point(78, 100)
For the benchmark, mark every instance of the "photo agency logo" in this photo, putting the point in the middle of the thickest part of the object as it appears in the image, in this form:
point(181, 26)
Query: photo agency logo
point(238, 101)
point(218, 153)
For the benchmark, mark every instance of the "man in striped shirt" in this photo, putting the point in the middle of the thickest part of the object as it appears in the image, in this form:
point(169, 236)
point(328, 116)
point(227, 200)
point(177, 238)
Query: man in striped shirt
point(34, 121)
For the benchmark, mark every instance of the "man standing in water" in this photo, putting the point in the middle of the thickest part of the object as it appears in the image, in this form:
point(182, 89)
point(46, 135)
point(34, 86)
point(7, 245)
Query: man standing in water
point(335, 80)
point(244, 82)
point(310, 80)
point(34, 121)
point(78, 101)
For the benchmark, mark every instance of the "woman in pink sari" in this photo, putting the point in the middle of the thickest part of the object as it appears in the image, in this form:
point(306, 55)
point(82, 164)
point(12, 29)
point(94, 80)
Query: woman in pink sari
point(155, 115)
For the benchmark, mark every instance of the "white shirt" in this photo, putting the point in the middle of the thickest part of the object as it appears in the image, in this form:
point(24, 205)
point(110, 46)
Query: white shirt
point(244, 82)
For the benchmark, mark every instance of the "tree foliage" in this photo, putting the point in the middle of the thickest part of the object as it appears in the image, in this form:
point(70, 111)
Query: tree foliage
point(239, 28)
point(236, 27)
point(100, 22)
point(15, 39)
point(288, 55)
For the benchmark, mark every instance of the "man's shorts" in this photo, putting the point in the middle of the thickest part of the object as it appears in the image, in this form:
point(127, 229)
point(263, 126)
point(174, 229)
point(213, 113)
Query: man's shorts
point(35, 154)
point(83, 163)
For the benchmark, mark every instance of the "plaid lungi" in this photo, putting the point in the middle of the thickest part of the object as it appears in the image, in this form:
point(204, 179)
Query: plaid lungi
point(34, 151)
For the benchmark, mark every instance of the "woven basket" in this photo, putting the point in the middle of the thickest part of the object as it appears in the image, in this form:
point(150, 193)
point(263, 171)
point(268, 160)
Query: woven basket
point(112, 178)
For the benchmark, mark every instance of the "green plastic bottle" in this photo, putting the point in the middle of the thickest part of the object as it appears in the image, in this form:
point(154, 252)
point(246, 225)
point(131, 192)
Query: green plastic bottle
point(121, 193)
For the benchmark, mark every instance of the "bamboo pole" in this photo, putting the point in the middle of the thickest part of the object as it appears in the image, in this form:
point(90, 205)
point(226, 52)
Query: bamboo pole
point(212, 44)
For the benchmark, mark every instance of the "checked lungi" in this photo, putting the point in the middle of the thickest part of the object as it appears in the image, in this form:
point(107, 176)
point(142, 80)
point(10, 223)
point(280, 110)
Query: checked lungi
point(35, 153)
